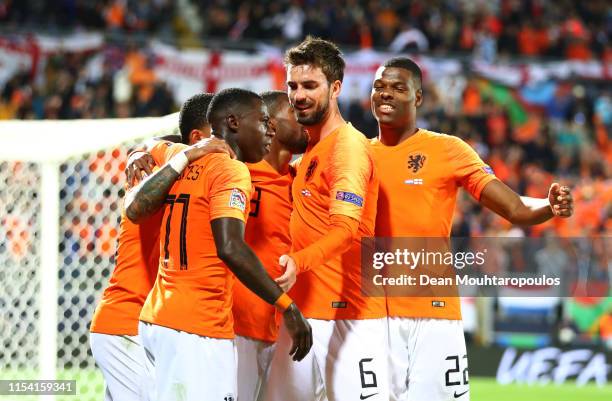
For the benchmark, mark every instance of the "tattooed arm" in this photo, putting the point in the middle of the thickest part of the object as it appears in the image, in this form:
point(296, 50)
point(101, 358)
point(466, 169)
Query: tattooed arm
point(146, 198)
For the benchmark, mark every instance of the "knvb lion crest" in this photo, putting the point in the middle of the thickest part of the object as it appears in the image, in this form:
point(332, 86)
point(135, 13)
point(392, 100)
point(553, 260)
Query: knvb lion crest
point(311, 169)
point(416, 162)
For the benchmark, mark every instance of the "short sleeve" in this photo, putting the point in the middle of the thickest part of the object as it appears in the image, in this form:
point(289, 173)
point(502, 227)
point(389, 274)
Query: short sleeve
point(162, 151)
point(230, 190)
point(350, 170)
point(469, 170)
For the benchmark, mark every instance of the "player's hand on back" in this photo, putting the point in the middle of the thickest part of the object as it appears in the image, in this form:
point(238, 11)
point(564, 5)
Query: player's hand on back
point(561, 200)
point(206, 146)
point(300, 331)
point(139, 165)
point(287, 279)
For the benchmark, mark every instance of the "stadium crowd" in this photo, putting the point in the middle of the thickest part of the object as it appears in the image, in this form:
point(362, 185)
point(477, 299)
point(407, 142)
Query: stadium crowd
point(126, 86)
point(121, 15)
point(440, 26)
point(559, 29)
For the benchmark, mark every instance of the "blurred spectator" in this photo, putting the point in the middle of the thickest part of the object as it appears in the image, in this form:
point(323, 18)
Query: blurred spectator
point(605, 328)
point(410, 39)
point(551, 258)
point(68, 91)
point(120, 15)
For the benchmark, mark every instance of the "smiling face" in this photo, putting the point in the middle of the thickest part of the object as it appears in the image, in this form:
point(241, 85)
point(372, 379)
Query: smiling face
point(253, 133)
point(310, 93)
point(395, 97)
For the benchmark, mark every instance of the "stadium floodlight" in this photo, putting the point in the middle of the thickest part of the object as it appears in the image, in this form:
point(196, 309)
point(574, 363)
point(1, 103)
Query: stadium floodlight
point(60, 183)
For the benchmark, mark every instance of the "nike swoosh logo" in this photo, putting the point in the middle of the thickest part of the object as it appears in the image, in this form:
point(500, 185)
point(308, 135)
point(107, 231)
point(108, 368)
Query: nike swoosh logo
point(460, 394)
point(364, 397)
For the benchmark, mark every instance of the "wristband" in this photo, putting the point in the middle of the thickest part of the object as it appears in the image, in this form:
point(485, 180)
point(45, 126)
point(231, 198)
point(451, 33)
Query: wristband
point(137, 150)
point(178, 162)
point(283, 302)
point(133, 155)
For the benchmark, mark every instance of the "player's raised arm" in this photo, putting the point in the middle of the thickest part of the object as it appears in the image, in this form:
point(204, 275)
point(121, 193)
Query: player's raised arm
point(237, 255)
point(147, 197)
point(525, 211)
point(478, 179)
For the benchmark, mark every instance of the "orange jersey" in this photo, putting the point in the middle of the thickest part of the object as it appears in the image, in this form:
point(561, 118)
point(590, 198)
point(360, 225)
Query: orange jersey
point(267, 233)
point(335, 177)
point(192, 292)
point(420, 178)
point(137, 259)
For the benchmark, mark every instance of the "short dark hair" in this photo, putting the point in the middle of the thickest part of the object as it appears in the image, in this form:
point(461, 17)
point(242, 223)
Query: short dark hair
point(227, 101)
point(273, 100)
point(319, 53)
point(409, 65)
point(193, 114)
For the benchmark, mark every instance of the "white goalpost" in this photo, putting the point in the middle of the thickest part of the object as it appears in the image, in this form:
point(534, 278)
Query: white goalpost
point(61, 184)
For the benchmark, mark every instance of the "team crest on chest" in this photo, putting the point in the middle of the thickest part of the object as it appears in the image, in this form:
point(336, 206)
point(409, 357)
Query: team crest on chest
point(416, 162)
point(311, 169)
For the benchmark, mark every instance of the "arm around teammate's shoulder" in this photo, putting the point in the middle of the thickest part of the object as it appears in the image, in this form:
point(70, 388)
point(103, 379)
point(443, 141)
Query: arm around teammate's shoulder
point(146, 198)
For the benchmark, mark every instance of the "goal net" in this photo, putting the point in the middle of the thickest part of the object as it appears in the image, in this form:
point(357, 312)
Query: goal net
point(61, 190)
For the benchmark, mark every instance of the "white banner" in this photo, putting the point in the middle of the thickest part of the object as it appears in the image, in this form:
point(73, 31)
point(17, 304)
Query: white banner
point(188, 72)
point(15, 56)
point(29, 53)
point(75, 43)
point(191, 71)
point(527, 74)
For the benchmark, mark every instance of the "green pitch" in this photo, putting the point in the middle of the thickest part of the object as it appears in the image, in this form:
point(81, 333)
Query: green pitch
point(487, 389)
point(90, 387)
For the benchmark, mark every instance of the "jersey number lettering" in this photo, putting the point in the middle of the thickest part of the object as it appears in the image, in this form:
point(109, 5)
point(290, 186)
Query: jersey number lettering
point(255, 202)
point(173, 200)
point(455, 370)
point(368, 377)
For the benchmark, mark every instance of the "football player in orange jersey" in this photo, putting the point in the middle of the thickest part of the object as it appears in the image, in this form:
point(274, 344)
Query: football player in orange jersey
point(421, 172)
point(267, 233)
point(186, 322)
point(334, 205)
point(114, 339)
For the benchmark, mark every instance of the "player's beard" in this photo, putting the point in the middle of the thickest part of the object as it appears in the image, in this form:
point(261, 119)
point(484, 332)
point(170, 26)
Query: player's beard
point(316, 117)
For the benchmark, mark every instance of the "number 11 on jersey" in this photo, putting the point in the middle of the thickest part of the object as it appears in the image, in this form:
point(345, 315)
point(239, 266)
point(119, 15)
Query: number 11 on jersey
point(172, 200)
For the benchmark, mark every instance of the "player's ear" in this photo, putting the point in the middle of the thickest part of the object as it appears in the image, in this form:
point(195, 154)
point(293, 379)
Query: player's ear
point(196, 135)
point(232, 122)
point(418, 97)
point(336, 86)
